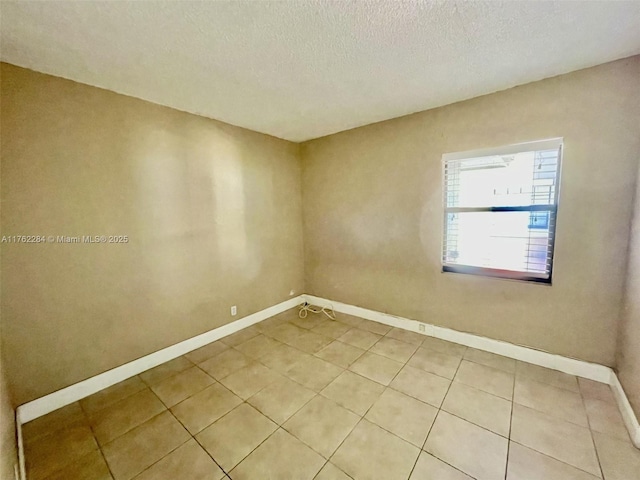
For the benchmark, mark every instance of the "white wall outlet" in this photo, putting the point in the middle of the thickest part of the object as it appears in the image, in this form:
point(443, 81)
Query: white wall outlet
point(292, 293)
point(234, 310)
point(421, 327)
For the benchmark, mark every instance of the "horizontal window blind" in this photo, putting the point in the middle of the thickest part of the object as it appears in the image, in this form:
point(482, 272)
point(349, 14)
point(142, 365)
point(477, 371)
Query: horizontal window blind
point(500, 210)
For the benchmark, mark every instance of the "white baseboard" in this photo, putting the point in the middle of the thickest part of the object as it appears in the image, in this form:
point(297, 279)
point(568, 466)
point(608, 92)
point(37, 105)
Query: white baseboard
point(22, 467)
point(600, 373)
point(66, 396)
point(628, 415)
point(592, 371)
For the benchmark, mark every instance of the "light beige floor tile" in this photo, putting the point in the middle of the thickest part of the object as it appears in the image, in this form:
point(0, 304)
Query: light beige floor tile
point(166, 370)
point(370, 452)
point(281, 399)
point(113, 394)
point(376, 367)
point(283, 358)
point(620, 460)
point(596, 390)
point(481, 408)
point(604, 417)
point(250, 380)
point(349, 319)
point(175, 389)
point(332, 329)
point(140, 448)
point(46, 425)
point(487, 379)
point(554, 401)
point(322, 424)
point(430, 468)
point(564, 441)
point(353, 392)
point(273, 322)
point(282, 456)
point(442, 346)
point(258, 346)
point(225, 363)
point(406, 336)
point(477, 452)
point(394, 349)
point(546, 375)
point(310, 342)
point(374, 327)
point(204, 408)
point(234, 436)
point(422, 385)
point(188, 461)
point(288, 315)
point(527, 464)
point(331, 472)
point(314, 373)
point(311, 321)
point(441, 364)
point(240, 337)
point(406, 417)
point(340, 354)
point(360, 338)
point(206, 352)
point(122, 416)
point(286, 332)
point(49, 453)
point(92, 466)
point(490, 360)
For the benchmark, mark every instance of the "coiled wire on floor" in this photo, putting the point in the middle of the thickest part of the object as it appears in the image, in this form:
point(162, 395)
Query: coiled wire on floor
point(305, 308)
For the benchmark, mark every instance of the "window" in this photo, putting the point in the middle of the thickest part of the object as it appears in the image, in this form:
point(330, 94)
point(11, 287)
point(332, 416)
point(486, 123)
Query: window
point(500, 211)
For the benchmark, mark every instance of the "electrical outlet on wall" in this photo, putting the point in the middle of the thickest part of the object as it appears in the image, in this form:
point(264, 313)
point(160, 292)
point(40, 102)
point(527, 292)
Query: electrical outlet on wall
point(234, 310)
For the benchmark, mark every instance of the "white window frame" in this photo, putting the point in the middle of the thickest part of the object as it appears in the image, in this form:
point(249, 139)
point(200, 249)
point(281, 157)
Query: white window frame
point(504, 150)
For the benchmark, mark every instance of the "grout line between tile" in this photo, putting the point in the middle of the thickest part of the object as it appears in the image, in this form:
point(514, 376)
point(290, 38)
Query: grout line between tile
point(96, 439)
point(267, 438)
point(513, 400)
point(434, 422)
point(144, 385)
point(195, 439)
point(555, 459)
point(226, 474)
point(593, 440)
point(171, 375)
point(187, 430)
point(362, 417)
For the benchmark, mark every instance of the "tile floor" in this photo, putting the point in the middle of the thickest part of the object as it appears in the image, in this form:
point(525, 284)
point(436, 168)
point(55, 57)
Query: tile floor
point(326, 400)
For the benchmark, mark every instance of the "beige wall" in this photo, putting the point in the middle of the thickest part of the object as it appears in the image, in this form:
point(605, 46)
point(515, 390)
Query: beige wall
point(373, 212)
point(213, 213)
point(8, 443)
point(628, 361)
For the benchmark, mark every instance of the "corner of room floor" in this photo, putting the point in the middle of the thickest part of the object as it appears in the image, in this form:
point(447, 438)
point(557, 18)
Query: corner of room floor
point(333, 393)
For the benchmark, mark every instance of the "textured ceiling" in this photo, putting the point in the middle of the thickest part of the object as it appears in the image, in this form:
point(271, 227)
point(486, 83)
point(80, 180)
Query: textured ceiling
point(301, 69)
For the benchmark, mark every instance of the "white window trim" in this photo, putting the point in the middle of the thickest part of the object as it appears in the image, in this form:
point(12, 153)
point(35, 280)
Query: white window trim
point(547, 144)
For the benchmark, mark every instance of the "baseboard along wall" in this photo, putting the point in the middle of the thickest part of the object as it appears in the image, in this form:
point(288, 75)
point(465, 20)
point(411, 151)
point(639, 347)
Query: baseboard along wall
point(580, 368)
point(599, 373)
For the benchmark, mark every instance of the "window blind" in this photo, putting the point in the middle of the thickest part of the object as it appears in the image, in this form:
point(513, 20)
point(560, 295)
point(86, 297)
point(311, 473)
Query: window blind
point(500, 210)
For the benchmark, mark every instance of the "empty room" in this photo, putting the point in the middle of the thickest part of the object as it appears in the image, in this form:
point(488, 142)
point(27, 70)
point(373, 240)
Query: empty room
point(319, 239)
